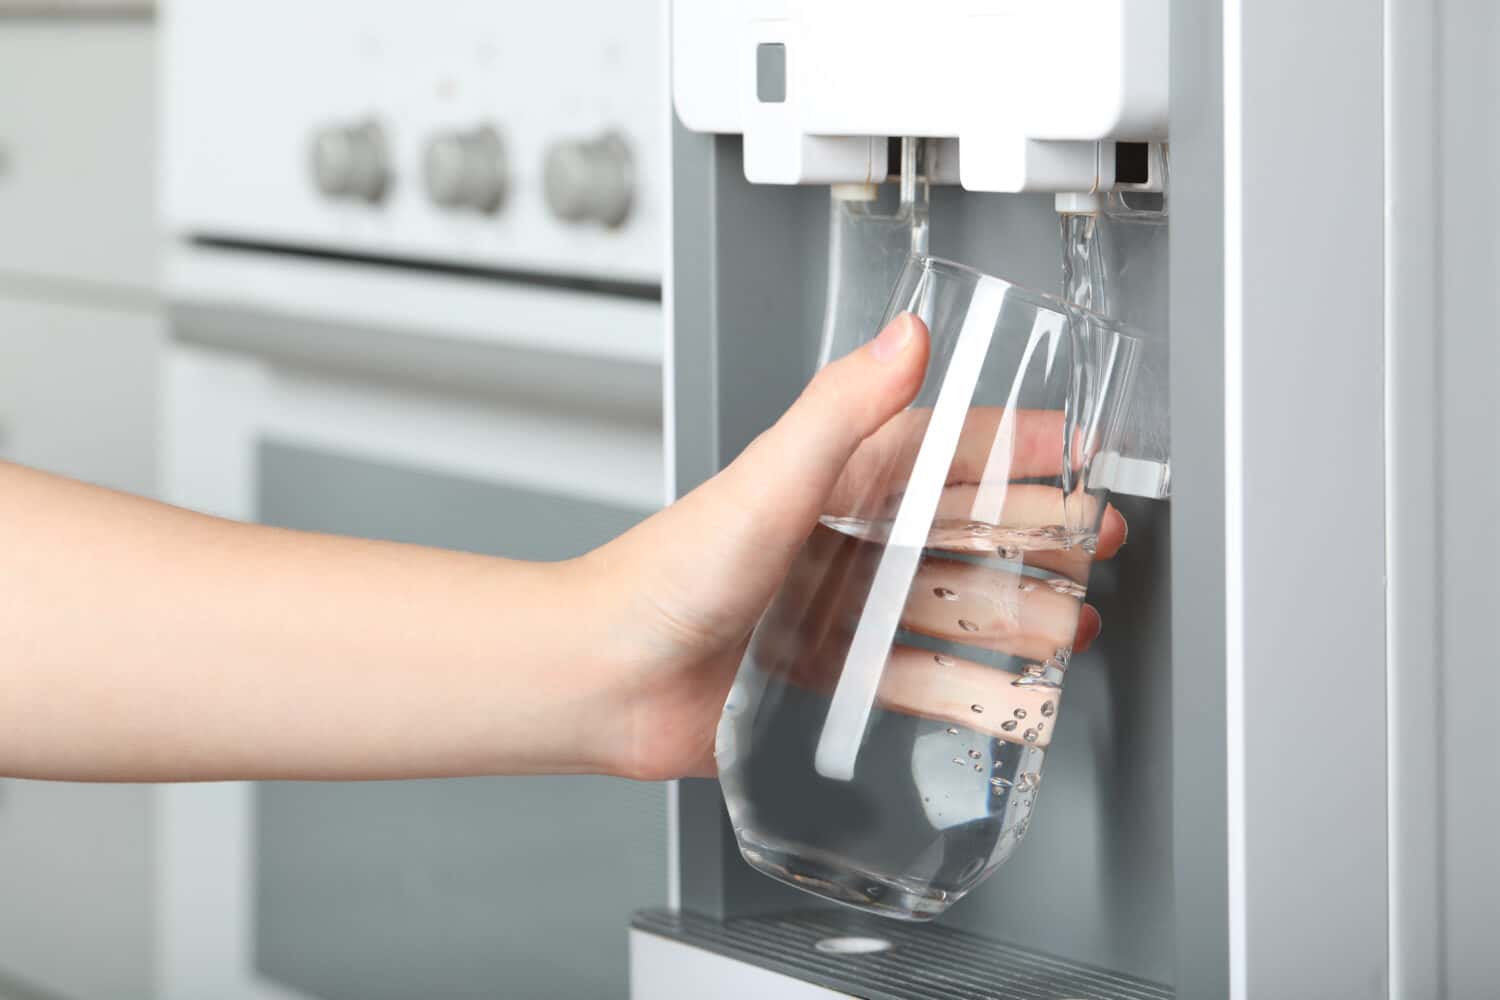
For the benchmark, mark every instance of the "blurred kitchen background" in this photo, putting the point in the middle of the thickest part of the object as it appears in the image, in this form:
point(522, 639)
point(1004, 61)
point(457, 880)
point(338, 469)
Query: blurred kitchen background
point(390, 269)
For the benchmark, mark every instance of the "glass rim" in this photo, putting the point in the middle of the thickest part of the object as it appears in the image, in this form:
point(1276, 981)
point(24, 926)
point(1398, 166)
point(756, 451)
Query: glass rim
point(1047, 299)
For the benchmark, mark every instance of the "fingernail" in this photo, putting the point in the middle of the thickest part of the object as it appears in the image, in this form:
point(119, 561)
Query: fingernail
point(1090, 627)
point(893, 339)
point(1095, 621)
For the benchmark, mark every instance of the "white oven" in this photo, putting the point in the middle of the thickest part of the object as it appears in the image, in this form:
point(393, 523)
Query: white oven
point(415, 293)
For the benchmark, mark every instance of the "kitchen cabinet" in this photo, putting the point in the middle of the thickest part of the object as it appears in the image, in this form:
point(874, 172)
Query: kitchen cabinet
point(81, 326)
point(78, 389)
point(78, 155)
point(76, 877)
point(81, 335)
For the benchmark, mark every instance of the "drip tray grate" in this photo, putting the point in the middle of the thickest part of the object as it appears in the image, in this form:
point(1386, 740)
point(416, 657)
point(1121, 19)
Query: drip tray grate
point(886, 960)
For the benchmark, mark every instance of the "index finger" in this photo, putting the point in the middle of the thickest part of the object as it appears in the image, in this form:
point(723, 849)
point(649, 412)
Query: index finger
point(995, 443)
point(1031, 440)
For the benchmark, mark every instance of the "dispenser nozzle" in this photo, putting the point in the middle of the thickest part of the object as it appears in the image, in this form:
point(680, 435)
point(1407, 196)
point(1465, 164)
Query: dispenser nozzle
point(1081, 202)
point(869, 240)
point(909, 166)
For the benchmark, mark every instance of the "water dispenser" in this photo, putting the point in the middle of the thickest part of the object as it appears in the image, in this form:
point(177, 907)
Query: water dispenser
point(816, 147)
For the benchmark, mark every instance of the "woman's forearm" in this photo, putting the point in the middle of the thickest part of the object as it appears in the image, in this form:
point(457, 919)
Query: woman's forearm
point(142, 642)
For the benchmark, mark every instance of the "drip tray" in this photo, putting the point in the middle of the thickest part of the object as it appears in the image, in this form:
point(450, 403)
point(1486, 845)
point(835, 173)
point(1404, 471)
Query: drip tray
point(886, 960)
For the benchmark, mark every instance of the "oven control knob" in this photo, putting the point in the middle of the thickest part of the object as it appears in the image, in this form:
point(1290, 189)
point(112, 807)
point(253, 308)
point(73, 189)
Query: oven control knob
point(591, 180)
point(350, 161)
point(467, 169)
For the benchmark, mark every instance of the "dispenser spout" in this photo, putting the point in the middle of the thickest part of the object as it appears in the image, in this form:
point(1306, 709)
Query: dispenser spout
point(1107, 267)
point(871, 231)
point(910, 147)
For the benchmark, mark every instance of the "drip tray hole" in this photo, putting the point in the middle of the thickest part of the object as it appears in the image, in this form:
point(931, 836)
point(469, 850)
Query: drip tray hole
point(852, 945)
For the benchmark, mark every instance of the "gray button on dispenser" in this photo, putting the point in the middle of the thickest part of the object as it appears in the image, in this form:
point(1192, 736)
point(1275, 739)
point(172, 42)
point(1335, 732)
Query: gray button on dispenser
point(770, 73)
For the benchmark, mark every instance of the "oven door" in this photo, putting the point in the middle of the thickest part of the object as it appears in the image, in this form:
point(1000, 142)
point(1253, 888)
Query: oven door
point(480, 887)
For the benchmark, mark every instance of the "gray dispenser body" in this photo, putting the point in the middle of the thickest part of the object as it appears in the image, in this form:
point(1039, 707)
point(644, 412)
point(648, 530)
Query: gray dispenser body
point(1272, 780)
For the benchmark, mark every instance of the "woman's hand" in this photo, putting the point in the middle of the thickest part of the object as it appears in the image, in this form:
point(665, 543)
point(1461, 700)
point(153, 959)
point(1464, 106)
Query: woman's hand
point(141, 642)
point(678, 596)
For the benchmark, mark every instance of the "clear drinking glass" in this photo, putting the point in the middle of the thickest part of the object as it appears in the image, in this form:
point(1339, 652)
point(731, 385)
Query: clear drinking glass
point(883, 742)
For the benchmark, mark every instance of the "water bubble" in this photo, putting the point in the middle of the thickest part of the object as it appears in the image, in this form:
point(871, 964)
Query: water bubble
point(1028, 781)
point(959, 761)
point(979, 767)
point(1029, 736)
point(1066, 587)
point(975, 755)
point(1008, 725)
point(977, 709)
point(945, 593)
point(1019, 713)
point(1000, 783)
point(1032, 673)
point(1026, 587)
point(1040, 726)
point(1048, 707)
point(952, 730)
point(941, 660)
point(1034, 676)
point(967, 625)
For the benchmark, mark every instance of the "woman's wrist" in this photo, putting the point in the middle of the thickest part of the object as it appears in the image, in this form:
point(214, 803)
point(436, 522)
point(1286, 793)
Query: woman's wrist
point(591, 713)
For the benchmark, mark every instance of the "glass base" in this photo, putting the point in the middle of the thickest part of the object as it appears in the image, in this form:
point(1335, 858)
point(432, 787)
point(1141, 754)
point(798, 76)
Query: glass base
point(862, 890)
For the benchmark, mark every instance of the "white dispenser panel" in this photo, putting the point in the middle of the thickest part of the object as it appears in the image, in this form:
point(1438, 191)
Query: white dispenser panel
point(1035, 92)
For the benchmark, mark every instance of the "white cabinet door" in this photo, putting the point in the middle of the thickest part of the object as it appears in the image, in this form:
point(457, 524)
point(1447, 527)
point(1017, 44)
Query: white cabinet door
point(80, 346)
point(78, 390)
point(76, 870)
point(77, 151)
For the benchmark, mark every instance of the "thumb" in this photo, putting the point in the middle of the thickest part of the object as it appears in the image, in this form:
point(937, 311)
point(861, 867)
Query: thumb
point(784, 477)
point(746, 524)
